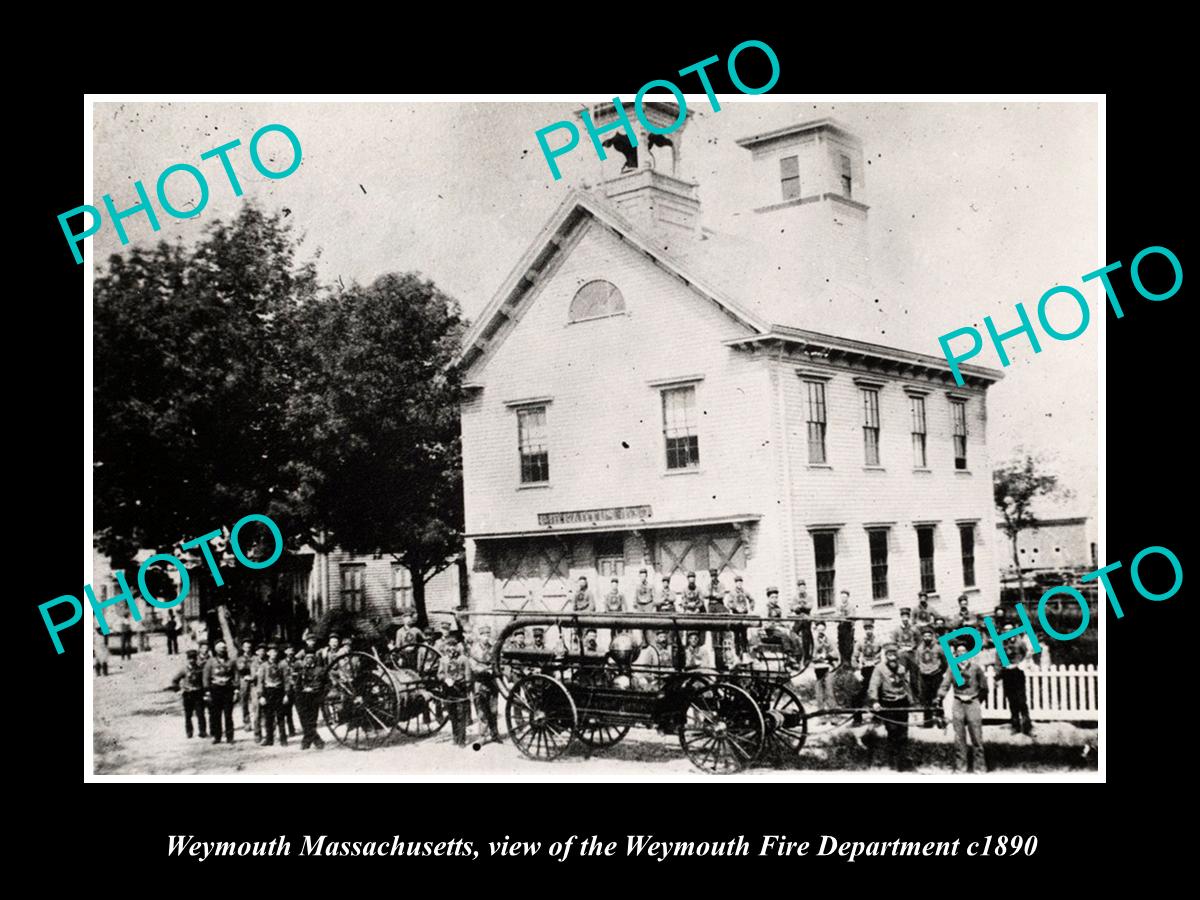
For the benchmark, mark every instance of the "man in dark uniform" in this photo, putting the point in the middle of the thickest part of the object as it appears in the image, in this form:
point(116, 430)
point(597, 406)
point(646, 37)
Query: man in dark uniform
point(614, 600)
point(739, 603)
point(289, 657)
point(171, 629)
point(274, 683)
point(715, 595)
point(692, 602)
point(191, 678)
point(643, 603)
point(867, 653)
point(454, 672)
point(591, 642)
point(966, 713)
point(1012, 677)
point(666, 598)
point(483, 684)
point(773, 609)
point(824, 658)
point(964, 619)
point(939, 626)
point(581, 600)
point(905, 638)
point(930, 663)
point(924, 615)
point(845, 629)
point(802, 609)
point(310, 684)
point(245, 670)
point(539, 639)
point(890, 693)
point(220, 684)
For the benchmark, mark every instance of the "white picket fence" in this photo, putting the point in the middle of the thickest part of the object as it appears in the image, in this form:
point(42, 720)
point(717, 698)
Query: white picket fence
point(1055, 694)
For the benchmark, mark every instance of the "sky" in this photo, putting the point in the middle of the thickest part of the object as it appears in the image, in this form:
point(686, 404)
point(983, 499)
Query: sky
point(973, 207)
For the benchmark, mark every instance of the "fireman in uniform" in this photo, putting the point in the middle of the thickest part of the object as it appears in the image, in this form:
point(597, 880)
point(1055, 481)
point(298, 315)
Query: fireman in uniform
point(582, 600)
point(289, 657)
point(905, 638)
point(824, 657)
point(643, 603)
point(483, 684)
point(930, 663)
point(244, 662)
point(191, 680)
point(923, 615)
point(890, 693)
point(867, 653)
point(220, 686)
point(967, 713)
point(802, 609)
point(773, 609)
point(454, 672)
point(739, 603)
point(311, 682)
point(274, 683)
point(666, 599)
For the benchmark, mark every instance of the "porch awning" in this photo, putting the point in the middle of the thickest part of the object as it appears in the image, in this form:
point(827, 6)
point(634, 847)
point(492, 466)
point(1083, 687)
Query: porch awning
point(634, 525)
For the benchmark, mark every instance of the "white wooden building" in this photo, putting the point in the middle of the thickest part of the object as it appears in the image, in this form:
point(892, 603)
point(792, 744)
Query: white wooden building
point(647, 392)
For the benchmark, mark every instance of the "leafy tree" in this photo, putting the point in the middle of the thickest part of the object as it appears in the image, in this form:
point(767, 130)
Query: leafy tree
point(1016, 485)
point(377, 402)
point(191, 382)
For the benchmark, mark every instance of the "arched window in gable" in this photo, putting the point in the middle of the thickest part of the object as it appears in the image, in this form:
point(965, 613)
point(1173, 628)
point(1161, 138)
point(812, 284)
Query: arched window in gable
point(595, 300)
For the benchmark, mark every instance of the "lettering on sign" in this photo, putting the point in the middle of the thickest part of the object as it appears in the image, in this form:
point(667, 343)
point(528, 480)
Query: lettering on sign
point(587, 516)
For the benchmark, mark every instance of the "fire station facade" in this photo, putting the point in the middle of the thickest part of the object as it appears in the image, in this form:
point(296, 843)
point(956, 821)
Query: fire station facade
point(644, 392)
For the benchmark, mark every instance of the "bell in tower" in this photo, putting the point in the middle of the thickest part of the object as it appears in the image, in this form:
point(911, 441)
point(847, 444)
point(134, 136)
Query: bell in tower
point(643, 181)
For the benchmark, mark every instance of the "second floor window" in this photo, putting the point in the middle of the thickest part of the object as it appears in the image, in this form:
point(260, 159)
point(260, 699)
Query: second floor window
point(871, 425)
point(966, 535)
point(353, 592)
point(878, 539)
point(816, 421)
point(918, 431)
point(789, 177)
point(679, 427)
point(958, 409)
point(531, 439)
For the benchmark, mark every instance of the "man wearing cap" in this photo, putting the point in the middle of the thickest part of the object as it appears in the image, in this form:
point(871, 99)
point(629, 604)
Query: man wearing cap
point(643, 604)
point(930, 663)
point(516, 640)
point(845, 629)
point(454, 673)
point(582, 600)
point(191, 679)
point(773, 609)
point(409, 634)
point(1012, 677)
point(966, 712)
point(905, 638)
point(614, 600)
point(923, 615)
point(666, 598)
point(867, 654)
point(220, 684)
point(653, 656)
point(802, 609)
point(714, 597)
point(692, 601)
point(890, 693)
point(289, 657)
point(823, 659)
point(311, 681)
point(739, 603)
point(539, 640)
point(443, 636)
point(483, 684)
point(964, 619)
point(274, 682)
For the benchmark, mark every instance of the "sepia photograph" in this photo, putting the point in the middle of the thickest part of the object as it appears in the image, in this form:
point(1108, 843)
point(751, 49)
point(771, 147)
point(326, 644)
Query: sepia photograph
point(428, 442)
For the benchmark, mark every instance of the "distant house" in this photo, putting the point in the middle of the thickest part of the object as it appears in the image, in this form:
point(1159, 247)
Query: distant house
point(1068, 543)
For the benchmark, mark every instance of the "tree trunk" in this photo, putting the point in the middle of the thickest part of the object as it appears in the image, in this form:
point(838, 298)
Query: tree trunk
point(226, 630)
point(1017, 563)
point(418, 594)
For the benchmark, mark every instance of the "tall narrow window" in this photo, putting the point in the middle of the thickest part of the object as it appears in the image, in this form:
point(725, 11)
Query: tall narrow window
point(824, 553)
point(846, 182)
point(925, 553)
point(401, 590)
point(353, 595)
point(679, 428)
point(878, 538)
point(918, 431)
point(816, 421)
point(958, 409)
point(531, 441)
point(871, 425)
point(966, 536)
point(789, 177)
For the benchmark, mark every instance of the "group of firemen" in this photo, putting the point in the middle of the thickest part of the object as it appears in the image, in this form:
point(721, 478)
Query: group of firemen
point(273, 684)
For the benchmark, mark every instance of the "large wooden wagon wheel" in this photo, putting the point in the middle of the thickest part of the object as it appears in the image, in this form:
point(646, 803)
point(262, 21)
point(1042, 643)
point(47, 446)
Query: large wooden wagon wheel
point(786, 721)
point(723, 729)
point(541, 717)
point(423, 709)
point(598, 734)
point(361, 706)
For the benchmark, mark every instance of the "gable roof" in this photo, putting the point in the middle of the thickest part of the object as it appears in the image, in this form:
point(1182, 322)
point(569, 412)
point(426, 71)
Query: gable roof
point(775, 295)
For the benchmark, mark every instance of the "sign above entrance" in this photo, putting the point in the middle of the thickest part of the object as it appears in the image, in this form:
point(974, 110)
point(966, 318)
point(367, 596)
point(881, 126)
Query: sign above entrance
point(587, 516)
